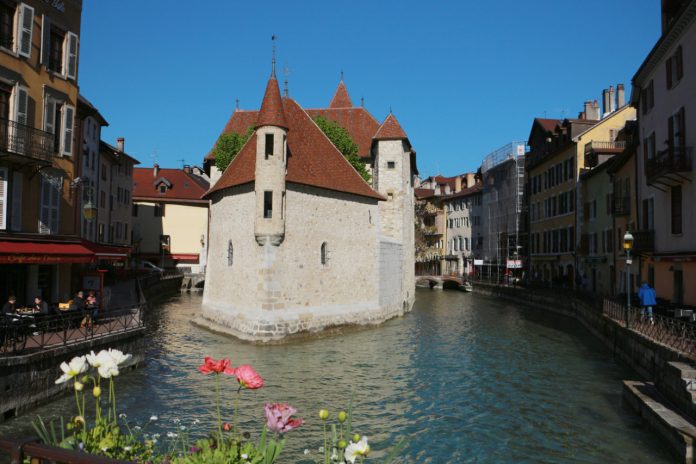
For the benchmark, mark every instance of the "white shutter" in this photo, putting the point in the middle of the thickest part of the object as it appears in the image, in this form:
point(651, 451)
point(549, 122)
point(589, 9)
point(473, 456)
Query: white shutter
point(45, 213)
point(21, 104)
point(55, 203)
point(3, 197)
point(68, 118)
point(50, 115)
point(17, 180)
point(26, 26)
point(70, 55)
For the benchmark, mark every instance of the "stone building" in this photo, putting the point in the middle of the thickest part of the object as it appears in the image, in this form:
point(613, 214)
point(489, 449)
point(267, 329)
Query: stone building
point(664, 90)
point(430, 232)
point(298, 240)
point(463, 219)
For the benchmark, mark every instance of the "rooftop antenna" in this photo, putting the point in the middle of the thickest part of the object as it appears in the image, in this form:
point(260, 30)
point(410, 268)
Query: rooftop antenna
point(183, 162)
point(362, 102)
point(286, 71)
point(273, 39)
point(236, 103)
point(341, 75)
point(390, 109)
point(153, 156)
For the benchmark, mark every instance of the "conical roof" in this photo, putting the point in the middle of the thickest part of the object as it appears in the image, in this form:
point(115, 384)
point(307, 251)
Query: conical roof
point(390, 129)
point(341, 99)
point(271, 113)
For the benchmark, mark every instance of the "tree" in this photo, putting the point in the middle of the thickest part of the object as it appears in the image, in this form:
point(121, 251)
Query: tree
point(227, 147)
point(345, 144)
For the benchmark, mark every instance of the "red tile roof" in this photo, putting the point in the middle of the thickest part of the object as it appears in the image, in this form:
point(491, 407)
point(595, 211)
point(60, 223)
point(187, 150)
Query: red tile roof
point(183, 187)
point(421, 193)
point(390, 129)
point(548, 125)
point(359, 123)
point(341, 99)
point(476, 188)
point(271, 113)
point(239, 122)
point(312, 159)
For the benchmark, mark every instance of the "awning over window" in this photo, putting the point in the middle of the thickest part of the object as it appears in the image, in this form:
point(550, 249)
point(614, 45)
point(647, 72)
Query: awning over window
point(43, 253)
point(107, 252)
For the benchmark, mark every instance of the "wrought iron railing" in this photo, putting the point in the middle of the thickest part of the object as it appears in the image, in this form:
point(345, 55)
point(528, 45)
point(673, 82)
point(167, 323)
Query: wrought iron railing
point(23, 140)
point(674, 333)
point(596, 145)
point(30, 450)
point(671, 161)
point(24, 334)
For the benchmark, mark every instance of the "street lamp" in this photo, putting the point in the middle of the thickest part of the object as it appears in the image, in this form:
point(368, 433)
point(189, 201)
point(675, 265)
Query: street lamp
point(89, 209)
point(628, 246)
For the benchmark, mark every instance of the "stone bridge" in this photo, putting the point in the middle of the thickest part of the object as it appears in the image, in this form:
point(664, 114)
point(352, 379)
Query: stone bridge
point(441, 282)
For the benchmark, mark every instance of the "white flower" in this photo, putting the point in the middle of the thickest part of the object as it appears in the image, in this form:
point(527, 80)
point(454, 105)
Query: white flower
point(108, 370)
point(118, 356)
point(127, 448)
point(245, 456)
point(171, 435)
point(156, 435)
point(182, 427)
point(137, 427)
point(196, 421)
point(153, 418)
point(77, 366)
point(122, 415)
point(97, 360)
point(354, 450)
point(306, 451)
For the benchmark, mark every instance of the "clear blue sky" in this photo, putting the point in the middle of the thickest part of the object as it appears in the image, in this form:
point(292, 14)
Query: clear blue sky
point(463, 77)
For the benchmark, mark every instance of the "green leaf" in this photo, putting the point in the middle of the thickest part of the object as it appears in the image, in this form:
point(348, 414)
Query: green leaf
point(344, 143)
point(227, 147)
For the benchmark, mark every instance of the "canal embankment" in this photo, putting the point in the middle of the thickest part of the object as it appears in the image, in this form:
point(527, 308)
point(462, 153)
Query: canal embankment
point(664, 396)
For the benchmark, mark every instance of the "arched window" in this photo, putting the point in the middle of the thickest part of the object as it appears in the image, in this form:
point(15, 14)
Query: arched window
point(230, 253)
point(324, 254)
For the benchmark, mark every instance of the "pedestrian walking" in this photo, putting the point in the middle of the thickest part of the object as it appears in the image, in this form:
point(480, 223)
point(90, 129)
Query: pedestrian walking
point(646, 295)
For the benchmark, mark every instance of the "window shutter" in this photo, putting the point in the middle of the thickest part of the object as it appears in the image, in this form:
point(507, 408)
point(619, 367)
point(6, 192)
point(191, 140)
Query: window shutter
point(50, 116)
point(26, 25)
point(670, 134)
point(16, 215)
point(668, 67)
point(45, 40)
point(70, 55)
point(3, 197)
point(21, 104)
point(682, 128)
point(55, 203)
point(67, 130)
point(44, 216)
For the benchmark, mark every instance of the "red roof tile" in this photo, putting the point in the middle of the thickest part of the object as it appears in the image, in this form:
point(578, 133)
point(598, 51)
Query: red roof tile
point(421, 193)
point(359, 123)
point(312, 160)
point(182, 186)
point(390, 129)
point(476, 188)
point(548, 124)
point(239, 122)
point(341, 99)
point(271, 113)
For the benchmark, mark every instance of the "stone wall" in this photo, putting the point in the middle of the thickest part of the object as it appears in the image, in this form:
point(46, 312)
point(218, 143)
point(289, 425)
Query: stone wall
point(269, 292)
point(29, 380)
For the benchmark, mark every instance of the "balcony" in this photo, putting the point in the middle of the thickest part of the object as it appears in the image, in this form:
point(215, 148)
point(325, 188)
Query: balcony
point(431, 231)
point(597, 152)
point(643, 241)
point(669, 168)
point(622, 206)
point(22, 143)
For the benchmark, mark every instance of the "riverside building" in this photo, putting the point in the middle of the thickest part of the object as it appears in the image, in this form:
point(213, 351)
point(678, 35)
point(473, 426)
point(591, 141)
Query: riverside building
point(299, 241)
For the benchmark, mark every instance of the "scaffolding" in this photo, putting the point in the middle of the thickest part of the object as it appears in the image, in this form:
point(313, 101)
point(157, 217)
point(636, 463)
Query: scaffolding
point(503, 201)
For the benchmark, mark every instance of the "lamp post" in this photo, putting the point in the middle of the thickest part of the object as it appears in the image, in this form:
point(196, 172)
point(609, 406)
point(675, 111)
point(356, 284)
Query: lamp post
point(628, 246)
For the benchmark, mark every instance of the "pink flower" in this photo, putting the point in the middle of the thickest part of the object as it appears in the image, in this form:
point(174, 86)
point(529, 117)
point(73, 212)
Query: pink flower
point(278, 418)
point(211, 366)
point(248, 377)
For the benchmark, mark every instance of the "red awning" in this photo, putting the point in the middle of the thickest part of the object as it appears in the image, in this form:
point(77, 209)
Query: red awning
point(108, 252)
point(43, 253)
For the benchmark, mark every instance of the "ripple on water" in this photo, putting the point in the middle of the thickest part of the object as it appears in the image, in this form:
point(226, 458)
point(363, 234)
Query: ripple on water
point(463, 378)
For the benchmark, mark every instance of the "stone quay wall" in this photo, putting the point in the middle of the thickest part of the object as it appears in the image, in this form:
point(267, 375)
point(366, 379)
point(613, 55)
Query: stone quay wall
point(29, 380)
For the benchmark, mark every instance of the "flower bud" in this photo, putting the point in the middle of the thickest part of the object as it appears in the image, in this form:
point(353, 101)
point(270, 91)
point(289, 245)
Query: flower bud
point(342, 444)
point(356, 438)
point(79, 386)
point(79, 421)
point(96, 391)
point(226, 427)
point(323, 414)
point(342, 417)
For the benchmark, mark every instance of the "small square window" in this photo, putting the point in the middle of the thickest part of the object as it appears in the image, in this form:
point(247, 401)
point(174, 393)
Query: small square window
point(391, 164)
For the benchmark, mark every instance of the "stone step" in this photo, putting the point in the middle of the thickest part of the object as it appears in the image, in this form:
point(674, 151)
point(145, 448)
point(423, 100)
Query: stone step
point(662, 417)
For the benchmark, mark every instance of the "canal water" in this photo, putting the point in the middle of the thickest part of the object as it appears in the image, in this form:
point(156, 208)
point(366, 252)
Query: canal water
point(462, 378)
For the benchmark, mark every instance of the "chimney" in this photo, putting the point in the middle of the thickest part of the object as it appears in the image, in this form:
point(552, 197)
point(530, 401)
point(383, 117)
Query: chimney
point(470, 179)
point(612, 99)
point(187, 168)
point(457, 184)
point(592, 111)
point(120, 144)
point(605, 102)
point(155, 170)
point(620, 95)
point(587, 110)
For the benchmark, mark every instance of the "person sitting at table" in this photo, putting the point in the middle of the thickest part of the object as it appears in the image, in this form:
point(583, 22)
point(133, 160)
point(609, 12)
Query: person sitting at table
point(40, 306)
point(11, 306)
point(78, 302)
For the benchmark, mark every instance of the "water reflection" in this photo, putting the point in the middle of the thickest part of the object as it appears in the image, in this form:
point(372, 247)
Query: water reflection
point(464, 378)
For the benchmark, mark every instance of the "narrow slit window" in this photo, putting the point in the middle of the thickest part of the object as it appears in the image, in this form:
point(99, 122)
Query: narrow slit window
point(269, 145)
point(230, 253)
point(324, 254)
point(267, 204)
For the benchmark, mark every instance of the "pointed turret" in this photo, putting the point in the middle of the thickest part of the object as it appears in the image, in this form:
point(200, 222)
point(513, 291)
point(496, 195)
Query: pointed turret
point(390, 129)
point(271, 113)
point(341, 99)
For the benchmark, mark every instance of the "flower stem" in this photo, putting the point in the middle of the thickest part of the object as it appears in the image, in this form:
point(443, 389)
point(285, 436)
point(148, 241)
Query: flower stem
point(234, 412)
point(112, 394)
point(326, 451)
point(217, 402)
